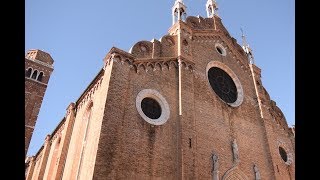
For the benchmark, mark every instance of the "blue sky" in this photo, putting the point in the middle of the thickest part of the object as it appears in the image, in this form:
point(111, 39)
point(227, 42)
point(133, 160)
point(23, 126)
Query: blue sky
point(78, 35)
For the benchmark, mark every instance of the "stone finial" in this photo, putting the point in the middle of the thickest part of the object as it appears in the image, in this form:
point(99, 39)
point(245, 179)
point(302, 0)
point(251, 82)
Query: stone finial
point(212, 8)
point(247, 49)
point(178, 11)
point(47, 139)
point(70, 108)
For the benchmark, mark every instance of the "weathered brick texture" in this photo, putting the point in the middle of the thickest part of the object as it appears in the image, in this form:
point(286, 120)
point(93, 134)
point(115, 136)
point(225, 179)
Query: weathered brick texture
point(109, 139)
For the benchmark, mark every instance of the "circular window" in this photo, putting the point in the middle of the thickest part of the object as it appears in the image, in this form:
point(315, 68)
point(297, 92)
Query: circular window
point(152, 106)
point(224, 83)
point(221, 50)
point(283, 154)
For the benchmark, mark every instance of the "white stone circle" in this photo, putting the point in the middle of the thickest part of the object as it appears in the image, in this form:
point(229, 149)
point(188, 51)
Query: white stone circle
point(218, 45)
point(154, 94)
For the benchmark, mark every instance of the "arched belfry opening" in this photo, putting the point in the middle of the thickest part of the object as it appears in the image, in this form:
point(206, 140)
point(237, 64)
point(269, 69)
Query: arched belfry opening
point(179, 12)
point(34, 74)
point(40, 76)
point(28, 72)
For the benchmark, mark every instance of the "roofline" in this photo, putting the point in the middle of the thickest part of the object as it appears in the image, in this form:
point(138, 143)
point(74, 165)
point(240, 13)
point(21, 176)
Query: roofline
point(99, 74)
point(119, 51)
point(57, 128)
point(38, 152)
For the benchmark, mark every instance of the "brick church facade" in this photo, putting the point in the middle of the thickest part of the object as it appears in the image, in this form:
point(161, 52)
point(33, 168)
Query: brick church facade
point(190, 105)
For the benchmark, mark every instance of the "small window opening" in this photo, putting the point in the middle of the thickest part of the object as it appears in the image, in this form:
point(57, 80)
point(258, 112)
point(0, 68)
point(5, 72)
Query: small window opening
point(219, 50)
point(40, 76)
point(283, 154)
point(151, 108)
point(28, 73)
point(34, 75)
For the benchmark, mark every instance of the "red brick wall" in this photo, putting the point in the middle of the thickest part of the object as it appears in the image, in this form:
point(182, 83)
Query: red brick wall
point(132, 148)
point(129, 146)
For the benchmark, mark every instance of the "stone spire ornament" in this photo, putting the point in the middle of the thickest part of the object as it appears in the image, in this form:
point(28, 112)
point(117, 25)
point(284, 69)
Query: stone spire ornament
point(179, 11)
point(247, 49)
point(212, 8)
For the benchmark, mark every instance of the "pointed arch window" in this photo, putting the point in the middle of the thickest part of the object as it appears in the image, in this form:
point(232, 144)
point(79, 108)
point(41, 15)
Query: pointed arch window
point(84, 131)
point(34, 74)
point(87, 117)
point(53, 155)
point(28, 72)
point(283, 154)
point(40, 76)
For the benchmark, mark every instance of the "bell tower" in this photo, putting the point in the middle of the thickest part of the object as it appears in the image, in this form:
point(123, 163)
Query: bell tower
point(38, 68)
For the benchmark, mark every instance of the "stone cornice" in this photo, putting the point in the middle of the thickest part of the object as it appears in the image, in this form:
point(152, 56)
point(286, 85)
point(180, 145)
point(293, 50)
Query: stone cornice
point(35, 81)
point(165, 63)
point(90, 90)
point(162, 63)
point(38, 152)
point(39, 62)
point(115, 50)
point(38, 156)
point(58, 129)
point(32, 127)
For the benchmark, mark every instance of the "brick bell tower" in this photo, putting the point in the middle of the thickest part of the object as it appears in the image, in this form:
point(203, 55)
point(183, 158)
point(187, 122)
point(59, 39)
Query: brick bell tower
point(38, 68)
